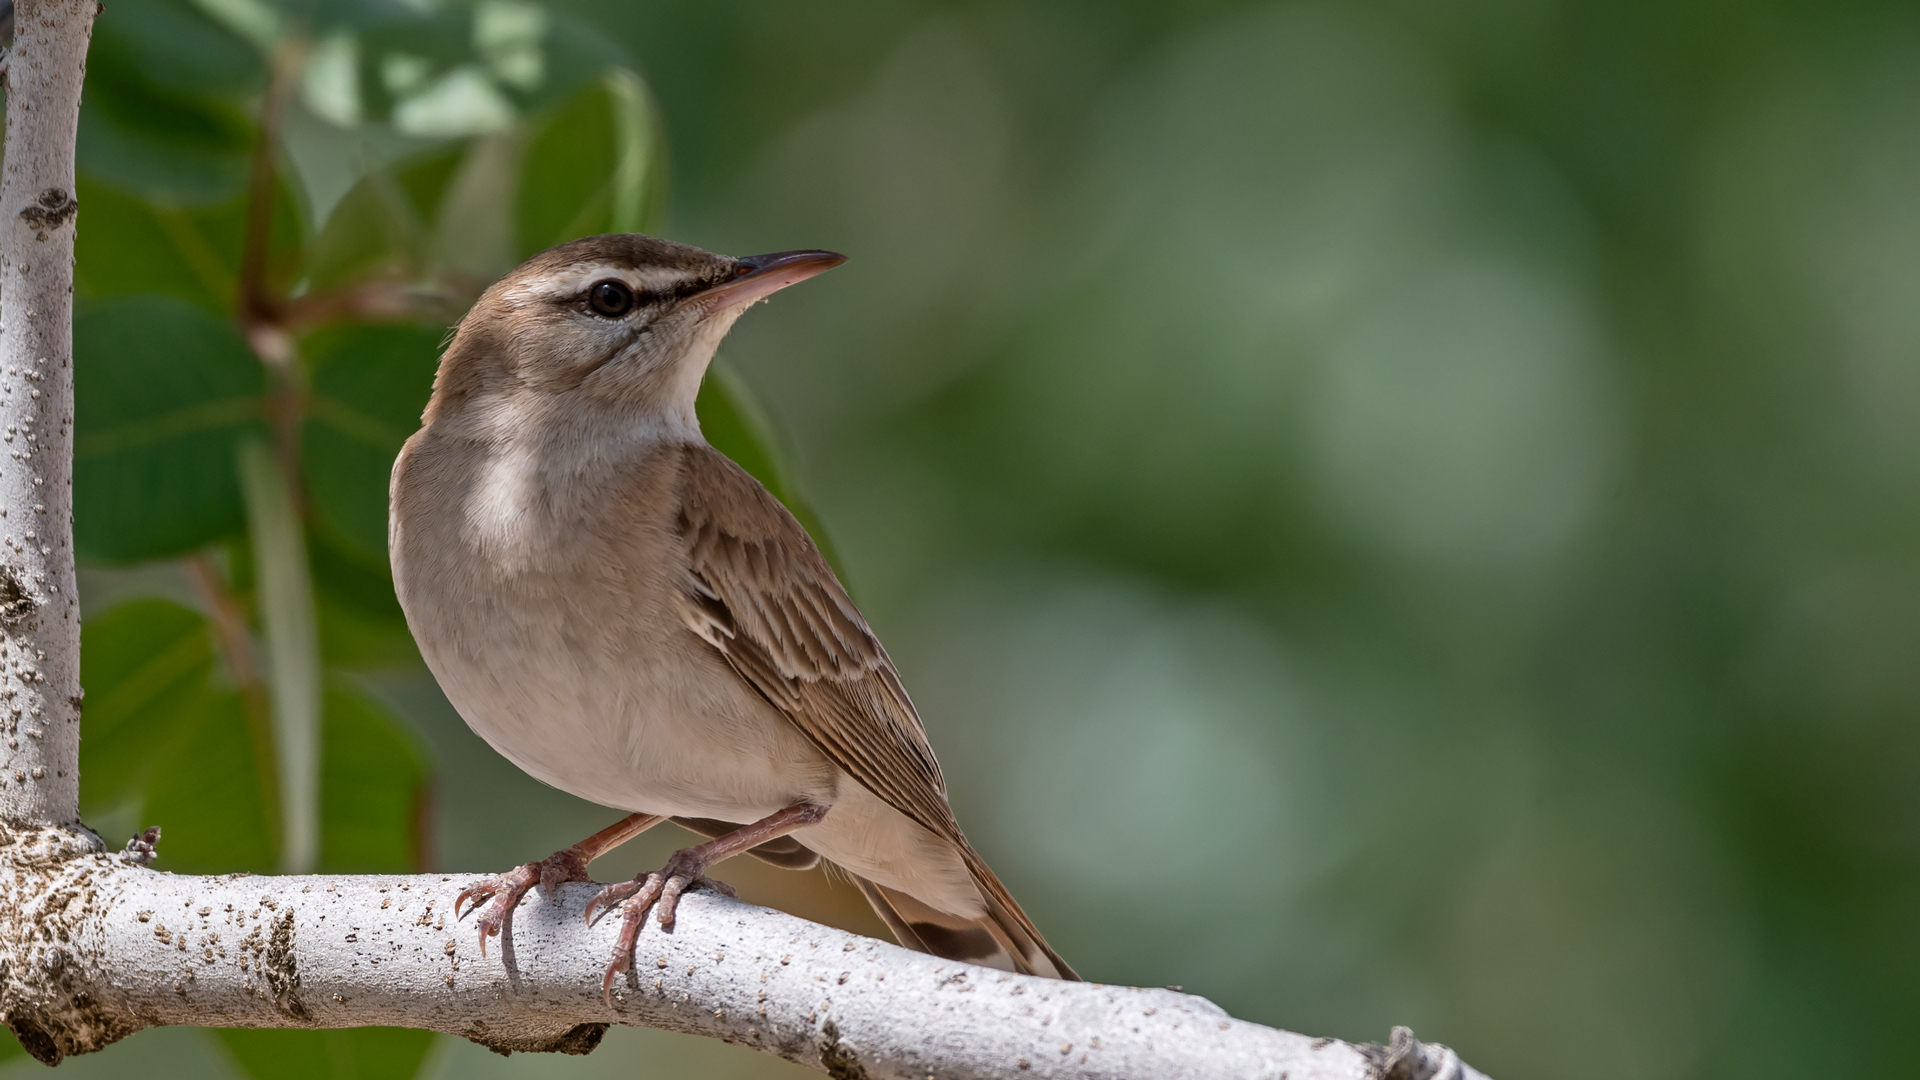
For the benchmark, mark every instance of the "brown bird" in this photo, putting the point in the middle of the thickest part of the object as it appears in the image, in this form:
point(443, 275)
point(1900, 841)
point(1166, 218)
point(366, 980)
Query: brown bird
point(629, 616)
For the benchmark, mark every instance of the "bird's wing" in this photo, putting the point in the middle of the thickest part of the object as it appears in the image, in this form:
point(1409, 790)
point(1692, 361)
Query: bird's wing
point(759, 591)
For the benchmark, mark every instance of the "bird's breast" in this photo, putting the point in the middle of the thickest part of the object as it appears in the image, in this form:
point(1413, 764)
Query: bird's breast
point(544, 601)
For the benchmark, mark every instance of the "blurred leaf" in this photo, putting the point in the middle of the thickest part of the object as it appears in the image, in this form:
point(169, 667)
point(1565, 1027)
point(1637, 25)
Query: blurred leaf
point(734, 424)
point(376, 1053)
point(361, 624)
point(353, 638)
point(403, 53)
point(145, 668)
point(382, 227)
point(474, 229)
point(239, 566)
point(369, 385)
point(10, 1047)
point(446, 70)
point(211, 795)
point(373, 783)
point(164, 390)
point(131, 246)
point(592, 167)
point(373, 233)
point(287, 239)
point(135, 246)
point(207, 780)
point(189, 759)
point(162, 116)
point(425, 179)
point(175, 46)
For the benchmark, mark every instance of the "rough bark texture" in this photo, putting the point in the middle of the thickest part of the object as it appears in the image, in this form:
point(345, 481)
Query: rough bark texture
point(39, 603)
point(98, 947)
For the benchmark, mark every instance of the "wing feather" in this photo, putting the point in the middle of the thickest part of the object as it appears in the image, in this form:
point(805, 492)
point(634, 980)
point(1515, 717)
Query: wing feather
point(760, 592)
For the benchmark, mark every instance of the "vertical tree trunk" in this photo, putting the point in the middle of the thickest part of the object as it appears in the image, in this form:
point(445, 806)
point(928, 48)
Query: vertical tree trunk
point(39, 602)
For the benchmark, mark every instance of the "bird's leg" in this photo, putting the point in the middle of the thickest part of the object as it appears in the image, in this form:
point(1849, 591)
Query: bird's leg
point(686, 869)
point(567, 864)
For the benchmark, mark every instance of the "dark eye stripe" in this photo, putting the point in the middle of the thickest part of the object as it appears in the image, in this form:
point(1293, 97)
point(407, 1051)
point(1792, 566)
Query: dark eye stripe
point(640, 298)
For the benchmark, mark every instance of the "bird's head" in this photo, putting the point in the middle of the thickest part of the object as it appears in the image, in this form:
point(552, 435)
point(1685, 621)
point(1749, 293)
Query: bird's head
point(621, 321)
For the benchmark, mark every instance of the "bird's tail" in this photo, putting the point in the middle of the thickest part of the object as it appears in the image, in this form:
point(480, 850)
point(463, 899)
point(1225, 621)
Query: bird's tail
point(1005, 938)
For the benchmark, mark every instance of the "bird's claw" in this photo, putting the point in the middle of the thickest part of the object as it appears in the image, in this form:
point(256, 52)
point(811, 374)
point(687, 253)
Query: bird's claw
point(501, 894)
point(661, 891)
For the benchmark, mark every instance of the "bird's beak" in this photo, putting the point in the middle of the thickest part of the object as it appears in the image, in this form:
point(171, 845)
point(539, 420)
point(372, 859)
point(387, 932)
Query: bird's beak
point(759, 276)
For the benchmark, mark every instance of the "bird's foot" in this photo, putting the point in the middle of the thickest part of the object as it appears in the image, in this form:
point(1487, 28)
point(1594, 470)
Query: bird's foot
point(659, 891)
point(502, 893)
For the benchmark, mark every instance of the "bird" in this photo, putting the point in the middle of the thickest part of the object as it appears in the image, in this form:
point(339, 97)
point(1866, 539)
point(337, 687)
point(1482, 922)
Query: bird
point(627, 615)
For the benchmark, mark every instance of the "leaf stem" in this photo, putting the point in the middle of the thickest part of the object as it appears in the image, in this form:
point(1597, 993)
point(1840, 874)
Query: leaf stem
point(285, 598)
point(270, 485)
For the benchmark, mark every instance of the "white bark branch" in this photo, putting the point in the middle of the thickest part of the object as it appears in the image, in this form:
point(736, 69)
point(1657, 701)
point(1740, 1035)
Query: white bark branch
point(39, 602)
point(96, 948)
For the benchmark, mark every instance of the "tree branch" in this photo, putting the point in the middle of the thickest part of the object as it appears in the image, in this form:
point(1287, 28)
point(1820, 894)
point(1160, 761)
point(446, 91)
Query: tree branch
point(97, 947)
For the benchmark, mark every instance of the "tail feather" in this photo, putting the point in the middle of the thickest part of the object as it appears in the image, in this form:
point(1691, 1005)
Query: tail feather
point(1005, 938)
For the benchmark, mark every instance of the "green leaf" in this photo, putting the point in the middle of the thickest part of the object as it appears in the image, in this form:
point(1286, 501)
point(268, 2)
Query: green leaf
point(377, 1053)
point(163, 747)
point(144, 667)
point(162, 115)
point(593, 166)
point(130, 246)
point(369, 385)
point(425, 179)
point(211, 793)
point(164, 390)
point(175, 46)
point(373, 783)
point(361, 624)
point(372, 233)
point(402, 54)
point(382, 228)
point(211, 784)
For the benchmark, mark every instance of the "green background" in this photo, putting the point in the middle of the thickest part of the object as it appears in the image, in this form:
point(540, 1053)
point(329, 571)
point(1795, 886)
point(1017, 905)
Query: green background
point(1392, 512)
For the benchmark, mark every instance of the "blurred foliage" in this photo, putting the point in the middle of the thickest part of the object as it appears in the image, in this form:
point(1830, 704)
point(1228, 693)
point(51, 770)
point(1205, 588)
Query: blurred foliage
point(1440, 478)
point(352, 1054)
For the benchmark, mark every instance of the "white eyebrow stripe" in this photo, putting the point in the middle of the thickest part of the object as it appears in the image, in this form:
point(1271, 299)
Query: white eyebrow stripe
point(572, 280)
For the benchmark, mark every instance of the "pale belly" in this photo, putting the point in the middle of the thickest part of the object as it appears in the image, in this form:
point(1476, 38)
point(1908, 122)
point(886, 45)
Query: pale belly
point(655, 730)
point(672, 730)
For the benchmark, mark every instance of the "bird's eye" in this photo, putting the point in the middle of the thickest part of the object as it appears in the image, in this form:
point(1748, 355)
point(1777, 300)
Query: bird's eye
point(610, 298)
